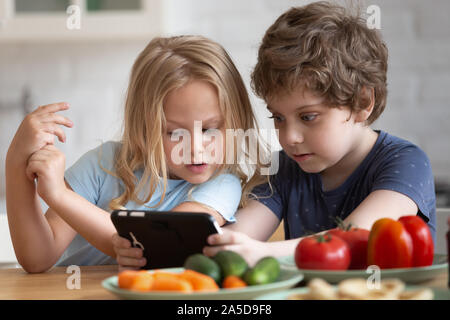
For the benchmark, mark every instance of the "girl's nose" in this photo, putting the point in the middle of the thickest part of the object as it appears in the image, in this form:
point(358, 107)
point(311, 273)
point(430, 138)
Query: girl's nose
point(197, 147)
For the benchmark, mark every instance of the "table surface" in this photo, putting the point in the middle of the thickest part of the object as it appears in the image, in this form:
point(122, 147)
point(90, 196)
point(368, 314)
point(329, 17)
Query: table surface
point(55, 284)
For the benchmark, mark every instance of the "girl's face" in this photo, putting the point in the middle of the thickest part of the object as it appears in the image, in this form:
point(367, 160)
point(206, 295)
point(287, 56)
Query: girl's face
point(193, 150)
point(316, 136)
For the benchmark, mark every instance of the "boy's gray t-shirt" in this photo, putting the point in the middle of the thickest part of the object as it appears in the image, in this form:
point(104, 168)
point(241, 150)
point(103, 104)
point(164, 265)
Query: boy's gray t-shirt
point(392, 164)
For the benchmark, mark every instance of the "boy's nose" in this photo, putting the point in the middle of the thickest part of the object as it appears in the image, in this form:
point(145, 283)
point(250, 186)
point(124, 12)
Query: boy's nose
point(292, 135)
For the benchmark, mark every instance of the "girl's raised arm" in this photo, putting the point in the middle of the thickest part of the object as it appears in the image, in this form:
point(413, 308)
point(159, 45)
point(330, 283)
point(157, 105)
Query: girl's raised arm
point(32, 237)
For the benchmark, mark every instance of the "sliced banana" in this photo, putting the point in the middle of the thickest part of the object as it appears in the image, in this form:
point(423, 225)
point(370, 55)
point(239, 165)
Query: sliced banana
point(321, 290)
point(300, 296)
point(420, 294)
point(357, 289)
point(392, 288)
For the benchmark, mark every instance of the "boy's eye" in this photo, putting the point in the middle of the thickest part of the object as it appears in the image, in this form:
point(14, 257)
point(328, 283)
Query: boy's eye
point(308, 117)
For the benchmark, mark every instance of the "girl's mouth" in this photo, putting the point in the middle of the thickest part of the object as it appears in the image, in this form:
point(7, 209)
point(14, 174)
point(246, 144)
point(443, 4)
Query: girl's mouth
point(197, 167)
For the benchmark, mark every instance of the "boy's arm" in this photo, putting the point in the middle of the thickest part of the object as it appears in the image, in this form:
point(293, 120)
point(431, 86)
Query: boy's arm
point(248, 236)
point(378, 204)
point(255, 220)
point(256, 223)
point(381, 204)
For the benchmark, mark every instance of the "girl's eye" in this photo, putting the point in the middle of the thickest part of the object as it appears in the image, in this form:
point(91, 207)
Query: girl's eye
point(308, 117)
point(209, 131)
point(175, 134)
point(276, 118)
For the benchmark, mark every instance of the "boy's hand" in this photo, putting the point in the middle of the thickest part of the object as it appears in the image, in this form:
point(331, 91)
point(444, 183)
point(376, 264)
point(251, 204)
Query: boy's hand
point(126, 256)
point(48, 165)
point(39, 129)
point(250, 249)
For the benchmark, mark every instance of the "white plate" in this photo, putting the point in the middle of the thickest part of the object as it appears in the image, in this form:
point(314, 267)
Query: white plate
point(407, 275)
point(287, 279)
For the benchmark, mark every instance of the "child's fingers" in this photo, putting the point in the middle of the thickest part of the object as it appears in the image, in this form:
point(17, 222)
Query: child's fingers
point(33, 169)
point(120, 242)
point(45, 152)
point(212, 251)
point(57, 119)
point(227, 237)
point(36, 160)
point(51, 149)
point(135, 253)
point(53, 107)
point(130, 262)
point(55, 130)
point(30, 173)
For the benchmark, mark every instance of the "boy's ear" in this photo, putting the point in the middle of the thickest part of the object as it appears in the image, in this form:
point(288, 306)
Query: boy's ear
point(367, 103)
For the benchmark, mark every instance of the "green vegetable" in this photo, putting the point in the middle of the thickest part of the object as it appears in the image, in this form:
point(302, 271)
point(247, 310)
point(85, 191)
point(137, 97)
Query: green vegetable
point(231, 263)
point(201, 263)
point(266, 270)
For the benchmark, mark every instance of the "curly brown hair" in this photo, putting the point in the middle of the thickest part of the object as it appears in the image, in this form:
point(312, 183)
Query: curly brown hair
point(327, 49)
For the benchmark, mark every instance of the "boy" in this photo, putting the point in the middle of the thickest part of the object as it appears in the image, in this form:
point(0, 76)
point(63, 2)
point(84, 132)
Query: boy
point(322, 73)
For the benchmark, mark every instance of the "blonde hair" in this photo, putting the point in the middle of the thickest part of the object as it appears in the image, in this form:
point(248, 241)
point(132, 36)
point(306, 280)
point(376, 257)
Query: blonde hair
point(164, 65)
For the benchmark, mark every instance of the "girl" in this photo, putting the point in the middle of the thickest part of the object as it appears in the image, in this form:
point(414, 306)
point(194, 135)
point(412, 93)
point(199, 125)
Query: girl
point(175, 84)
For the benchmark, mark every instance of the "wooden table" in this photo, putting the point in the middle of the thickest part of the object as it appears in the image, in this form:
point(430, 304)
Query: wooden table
point(16, 284)
point(53, 285)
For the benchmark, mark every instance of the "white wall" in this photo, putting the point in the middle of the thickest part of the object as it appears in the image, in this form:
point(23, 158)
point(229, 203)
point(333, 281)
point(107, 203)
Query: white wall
point(93, 76)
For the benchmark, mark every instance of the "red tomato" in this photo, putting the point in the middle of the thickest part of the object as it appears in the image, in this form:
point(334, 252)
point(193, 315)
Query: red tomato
point(423, 246)
point(323, 252)
point(390, 245)
point(356, 239)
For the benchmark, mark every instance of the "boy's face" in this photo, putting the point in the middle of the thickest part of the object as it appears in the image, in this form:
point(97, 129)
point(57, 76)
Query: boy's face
point(316, 136)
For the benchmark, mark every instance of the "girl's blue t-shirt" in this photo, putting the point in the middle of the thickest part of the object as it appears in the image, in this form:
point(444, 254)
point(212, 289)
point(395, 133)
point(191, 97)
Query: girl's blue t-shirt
point(87, 178)
point(393, 164)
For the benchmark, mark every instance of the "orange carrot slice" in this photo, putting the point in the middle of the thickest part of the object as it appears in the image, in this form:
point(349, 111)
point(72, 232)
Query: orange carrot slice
point(174, 283)
point(233, 282)
point(125, 278)
point(200, 281)
point(143, 282)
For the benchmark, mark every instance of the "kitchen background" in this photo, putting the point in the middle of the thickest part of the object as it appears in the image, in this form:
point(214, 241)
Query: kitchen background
point(42, 61)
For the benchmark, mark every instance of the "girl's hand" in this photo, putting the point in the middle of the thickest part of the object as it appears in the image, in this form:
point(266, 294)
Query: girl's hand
point(126, 256)
point(37, 130)
point(250, 249)
point(48, 165)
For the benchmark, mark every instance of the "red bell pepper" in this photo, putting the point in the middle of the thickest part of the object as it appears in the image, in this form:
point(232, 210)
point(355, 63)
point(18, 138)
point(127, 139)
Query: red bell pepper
point(400, 244)
point(423, 246)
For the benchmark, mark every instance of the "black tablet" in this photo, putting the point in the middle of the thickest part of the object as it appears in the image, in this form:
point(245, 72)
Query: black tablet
point(167, 238)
